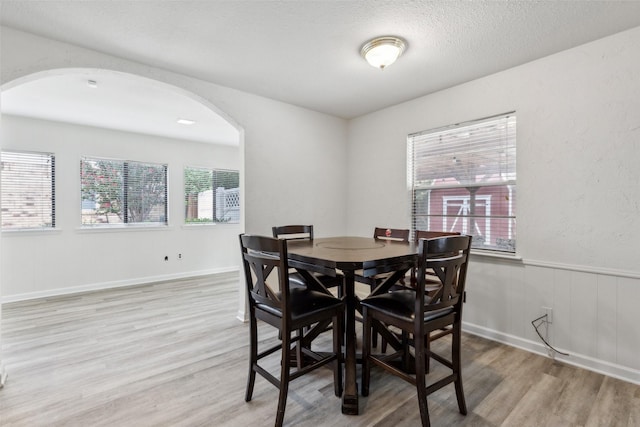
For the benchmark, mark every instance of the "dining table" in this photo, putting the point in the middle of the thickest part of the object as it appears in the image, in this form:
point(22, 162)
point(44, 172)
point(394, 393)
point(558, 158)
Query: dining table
point(349, 257)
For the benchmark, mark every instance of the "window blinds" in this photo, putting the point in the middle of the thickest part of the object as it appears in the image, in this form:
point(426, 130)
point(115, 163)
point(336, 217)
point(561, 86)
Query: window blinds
point(463, 179)
point(28, 190)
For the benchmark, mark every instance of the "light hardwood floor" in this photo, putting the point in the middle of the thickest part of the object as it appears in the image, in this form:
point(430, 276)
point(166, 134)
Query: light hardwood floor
point(173, 354)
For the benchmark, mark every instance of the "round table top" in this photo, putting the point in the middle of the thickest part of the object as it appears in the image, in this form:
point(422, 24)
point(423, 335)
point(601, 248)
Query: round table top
point(348, 251)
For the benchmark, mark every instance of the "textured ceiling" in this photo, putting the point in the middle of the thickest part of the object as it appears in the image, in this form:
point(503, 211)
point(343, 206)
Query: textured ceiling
point(307, 52)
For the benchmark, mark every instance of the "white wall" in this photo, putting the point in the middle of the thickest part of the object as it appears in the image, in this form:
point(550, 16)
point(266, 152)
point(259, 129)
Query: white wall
point(292, 160)
point(43, 263)
point(578, 227)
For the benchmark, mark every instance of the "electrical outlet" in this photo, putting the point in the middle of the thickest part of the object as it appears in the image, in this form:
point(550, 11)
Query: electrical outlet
point(179, 257)
point(549, 312)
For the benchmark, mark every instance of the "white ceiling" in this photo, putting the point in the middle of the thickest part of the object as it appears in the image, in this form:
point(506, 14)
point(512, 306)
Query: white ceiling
point(306, 52)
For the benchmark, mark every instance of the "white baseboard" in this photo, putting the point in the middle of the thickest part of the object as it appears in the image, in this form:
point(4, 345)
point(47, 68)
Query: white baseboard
point(242, 316)
point(579, 360)
point(113, 284)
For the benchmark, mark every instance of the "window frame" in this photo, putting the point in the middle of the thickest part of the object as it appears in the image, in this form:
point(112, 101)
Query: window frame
point(423, 144)
point(125, 221)
point(195, 222)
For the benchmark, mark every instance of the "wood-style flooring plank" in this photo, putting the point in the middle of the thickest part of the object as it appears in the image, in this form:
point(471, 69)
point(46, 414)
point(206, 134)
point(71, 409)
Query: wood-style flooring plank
point(173, 354)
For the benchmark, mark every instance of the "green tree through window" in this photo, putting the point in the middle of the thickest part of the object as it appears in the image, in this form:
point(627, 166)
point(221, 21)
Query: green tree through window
point(123, 192)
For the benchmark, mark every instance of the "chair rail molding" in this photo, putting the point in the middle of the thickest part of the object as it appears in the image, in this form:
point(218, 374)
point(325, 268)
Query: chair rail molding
point(583, 268)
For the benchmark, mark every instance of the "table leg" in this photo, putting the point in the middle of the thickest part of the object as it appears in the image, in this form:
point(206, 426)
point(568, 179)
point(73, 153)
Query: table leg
point(350, 396)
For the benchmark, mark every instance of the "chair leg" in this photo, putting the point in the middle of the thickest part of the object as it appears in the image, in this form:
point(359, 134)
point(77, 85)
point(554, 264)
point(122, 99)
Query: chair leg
point(253, 358)
point(427, 345)
point(366, 352)
point(374, 334)
point(406, 356)
point(284, 377)
point(299, 354)
point(337, 349)
point(420, 379)
point(457, 366)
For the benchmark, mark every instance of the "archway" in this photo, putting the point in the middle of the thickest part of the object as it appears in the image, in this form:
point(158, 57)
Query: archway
point(89, 123)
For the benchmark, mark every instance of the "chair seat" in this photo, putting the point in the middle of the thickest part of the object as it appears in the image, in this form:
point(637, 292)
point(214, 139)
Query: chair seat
point(401, 305)
point(305, 303)
point(296, 281)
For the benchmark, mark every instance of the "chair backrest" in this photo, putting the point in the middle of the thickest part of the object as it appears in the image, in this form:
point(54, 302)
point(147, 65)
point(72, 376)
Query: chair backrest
point(447, 258)
point(293, 232)
point(430, 234)
point(397, 234)
point(266, 266)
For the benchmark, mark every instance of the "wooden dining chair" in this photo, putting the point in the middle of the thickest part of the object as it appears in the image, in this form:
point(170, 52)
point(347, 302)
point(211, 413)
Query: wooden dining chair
point(432, 284)
point(415, 312)
point(291, 310)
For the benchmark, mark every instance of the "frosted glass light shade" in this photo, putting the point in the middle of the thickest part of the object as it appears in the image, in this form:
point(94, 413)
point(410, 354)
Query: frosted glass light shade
point(383, 51)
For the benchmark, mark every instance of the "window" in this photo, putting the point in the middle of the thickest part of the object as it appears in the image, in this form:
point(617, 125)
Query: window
point(117, 192)
point(28, 190)
point(463, 179)
point(211, 196)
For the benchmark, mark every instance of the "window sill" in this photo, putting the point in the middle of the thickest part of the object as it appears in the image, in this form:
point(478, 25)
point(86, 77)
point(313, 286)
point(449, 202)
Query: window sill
point(121, 228)
point(493, 254)
point(30, 231)
point(207, 224)
point(199, 224)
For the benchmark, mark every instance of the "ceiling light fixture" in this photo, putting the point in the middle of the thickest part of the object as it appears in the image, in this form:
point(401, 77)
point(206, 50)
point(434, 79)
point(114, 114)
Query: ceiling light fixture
point(186, 121)
point(383, 51)
point(92, 84)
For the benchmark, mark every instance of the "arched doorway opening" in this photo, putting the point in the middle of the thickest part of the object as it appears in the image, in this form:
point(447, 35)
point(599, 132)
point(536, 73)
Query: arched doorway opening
point(75, 113)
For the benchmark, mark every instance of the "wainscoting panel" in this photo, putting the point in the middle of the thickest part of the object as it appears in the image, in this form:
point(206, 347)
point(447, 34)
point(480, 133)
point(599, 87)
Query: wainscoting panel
point(596, 314)
point(584, 313)
point(628, 318)
point(516, 299)
point(606, 324)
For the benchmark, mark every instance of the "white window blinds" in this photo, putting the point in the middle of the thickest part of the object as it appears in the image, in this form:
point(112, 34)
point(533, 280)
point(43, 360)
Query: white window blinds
point(463, 179)
point(211, 196)
point(116, 192)
point(28, 190)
